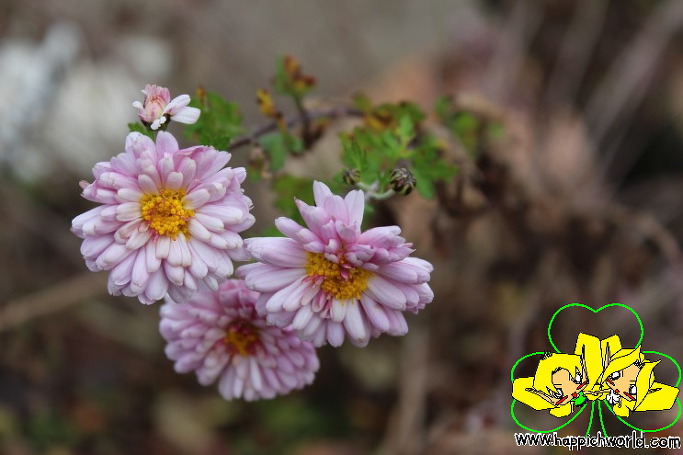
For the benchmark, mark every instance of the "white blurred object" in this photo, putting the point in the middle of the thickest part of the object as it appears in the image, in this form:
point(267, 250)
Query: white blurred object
point(64, 112)
point(30, 74)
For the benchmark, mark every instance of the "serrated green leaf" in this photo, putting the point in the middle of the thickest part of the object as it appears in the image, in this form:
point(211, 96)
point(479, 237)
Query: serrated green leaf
point(219, 123)
point(412, 110)
point(352, 155)
point(392, 145)
point(405, 130)
point(428, 166)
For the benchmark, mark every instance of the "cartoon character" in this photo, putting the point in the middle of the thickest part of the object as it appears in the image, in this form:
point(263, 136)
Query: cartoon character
point(600, 373)
point(563, 382)
point(628, 382)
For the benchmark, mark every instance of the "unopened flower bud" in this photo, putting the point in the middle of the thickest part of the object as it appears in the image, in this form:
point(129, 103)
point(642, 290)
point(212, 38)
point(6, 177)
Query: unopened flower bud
point(402, 181)
point(351, 176)
point(158, 108)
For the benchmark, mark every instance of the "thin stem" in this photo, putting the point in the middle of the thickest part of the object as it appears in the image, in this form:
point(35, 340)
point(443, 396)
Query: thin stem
point(305, 121)
point(371, 191)
point(381, 196)
point(367, 188)
point(251, 138)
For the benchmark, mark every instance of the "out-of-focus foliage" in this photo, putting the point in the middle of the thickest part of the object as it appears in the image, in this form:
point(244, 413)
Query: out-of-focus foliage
point(571, 195)
point(219, 122)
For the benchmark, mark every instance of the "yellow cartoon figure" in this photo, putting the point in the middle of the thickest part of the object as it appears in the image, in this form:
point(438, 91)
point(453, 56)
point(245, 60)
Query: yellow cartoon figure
point(563, 382)
point(628, 382)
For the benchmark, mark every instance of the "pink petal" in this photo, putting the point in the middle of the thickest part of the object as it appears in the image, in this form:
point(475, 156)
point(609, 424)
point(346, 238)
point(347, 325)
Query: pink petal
point(385, 293)
point(285, 296)
point(139, 274)
point(338, 309)
point(375, 313)
point(166, 144)
point(157, 286)
point(152, 263)
point(355, 325)
point(112, 256)
point(320, 193)
point(355, 203)
point(272, 279)
point(397, 271)
point(335, 333)
point(302, 318)
point(282, 252)
point(178, 103)
point(196, 199)
point(186, 115)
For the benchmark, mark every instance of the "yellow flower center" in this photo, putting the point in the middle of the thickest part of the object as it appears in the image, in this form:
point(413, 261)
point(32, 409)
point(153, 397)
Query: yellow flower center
point(165, 212)
point(339, 281)
point(241, 338)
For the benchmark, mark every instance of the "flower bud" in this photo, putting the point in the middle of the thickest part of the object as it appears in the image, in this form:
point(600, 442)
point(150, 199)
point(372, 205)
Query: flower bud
point(402, 181)
point(158, 108)
point(351, 176)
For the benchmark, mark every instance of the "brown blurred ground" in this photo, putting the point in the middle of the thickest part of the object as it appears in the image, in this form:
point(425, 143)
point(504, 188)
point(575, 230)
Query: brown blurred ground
point(591, 212)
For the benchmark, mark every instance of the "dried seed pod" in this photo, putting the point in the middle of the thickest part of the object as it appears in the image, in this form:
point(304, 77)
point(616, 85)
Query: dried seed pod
point(402, 181)
point(351, 176)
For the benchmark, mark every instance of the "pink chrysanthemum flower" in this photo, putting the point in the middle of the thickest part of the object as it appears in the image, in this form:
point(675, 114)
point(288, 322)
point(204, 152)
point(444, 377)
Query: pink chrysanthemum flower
point(158, 107)
point(221, 337)
point(169, 219)
point(332, 279)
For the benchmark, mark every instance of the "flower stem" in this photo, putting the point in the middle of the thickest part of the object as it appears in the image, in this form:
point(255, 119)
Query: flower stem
point(303, 118)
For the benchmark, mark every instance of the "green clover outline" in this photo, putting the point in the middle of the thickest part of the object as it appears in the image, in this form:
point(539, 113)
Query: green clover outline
point(514, 416)
point(552, 319)
point(593, 403)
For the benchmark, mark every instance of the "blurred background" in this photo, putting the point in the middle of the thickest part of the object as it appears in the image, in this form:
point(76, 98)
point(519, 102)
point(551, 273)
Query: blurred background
point(579, 202)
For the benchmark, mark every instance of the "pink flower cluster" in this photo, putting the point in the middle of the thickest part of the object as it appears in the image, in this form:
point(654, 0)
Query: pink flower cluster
point(168, 226)
point(330, 279)
point(221, 337)
point(169, 219)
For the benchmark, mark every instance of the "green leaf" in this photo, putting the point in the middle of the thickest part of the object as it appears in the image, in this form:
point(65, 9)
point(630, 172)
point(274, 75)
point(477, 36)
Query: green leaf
point(361, 102)
point(428, 166)
point(220, 121)
point(140, 128)
point(277, 145)
point(282, 83)
point(360, 151)
point(353, 155)
point(392, 145)
point(287, 188)
point(412, 110)
point(405, 130)
point(290, 79)
point(464, 123)
point(424, 185)
point(294, 144)
point(274, 146)
point(443, 108)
